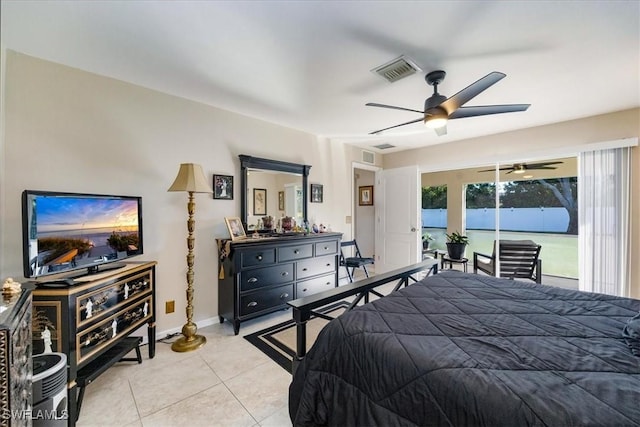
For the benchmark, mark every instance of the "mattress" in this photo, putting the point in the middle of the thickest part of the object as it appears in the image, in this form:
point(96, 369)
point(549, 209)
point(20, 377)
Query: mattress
point(464, 349)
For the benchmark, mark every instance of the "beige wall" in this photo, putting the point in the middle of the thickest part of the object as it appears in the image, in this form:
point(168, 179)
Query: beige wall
point(69, 130)
point(543, 142)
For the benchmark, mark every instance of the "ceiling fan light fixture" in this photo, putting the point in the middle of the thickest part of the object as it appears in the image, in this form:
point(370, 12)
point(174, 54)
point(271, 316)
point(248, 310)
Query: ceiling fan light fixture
point(436, 119)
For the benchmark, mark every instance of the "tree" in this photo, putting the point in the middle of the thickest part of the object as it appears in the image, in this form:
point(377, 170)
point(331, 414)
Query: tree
point(558, 192)
point(481, 195)
point(434, 197)
point(565, 190)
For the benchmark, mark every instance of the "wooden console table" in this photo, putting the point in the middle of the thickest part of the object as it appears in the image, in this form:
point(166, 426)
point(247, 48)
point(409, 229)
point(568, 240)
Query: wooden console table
point(95, 315)
point(259, 276)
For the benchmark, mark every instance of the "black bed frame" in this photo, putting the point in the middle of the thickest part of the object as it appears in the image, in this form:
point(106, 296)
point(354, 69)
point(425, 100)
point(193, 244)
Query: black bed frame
point(303, 308)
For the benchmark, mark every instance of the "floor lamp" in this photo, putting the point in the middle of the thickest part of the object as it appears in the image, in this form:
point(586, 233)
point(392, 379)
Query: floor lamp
point(191, 179)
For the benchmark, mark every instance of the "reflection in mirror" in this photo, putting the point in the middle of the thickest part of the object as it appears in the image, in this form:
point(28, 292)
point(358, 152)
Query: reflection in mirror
point(274, 182)
point(285, 186)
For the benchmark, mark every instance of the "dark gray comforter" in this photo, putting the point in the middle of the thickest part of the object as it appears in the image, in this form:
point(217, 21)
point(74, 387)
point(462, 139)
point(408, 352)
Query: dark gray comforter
point(462, 349)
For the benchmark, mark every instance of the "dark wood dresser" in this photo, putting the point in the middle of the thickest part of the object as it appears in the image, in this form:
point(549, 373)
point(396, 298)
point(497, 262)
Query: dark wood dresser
point(258, 276)
point(15, 358)
point(86, 320)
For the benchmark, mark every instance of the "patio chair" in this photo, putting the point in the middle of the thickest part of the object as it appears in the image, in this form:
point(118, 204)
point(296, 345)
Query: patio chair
point(519, 259)
point(355, 261)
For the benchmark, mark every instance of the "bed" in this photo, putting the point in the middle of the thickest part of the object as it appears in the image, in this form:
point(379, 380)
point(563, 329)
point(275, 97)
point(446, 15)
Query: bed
point(464, 349)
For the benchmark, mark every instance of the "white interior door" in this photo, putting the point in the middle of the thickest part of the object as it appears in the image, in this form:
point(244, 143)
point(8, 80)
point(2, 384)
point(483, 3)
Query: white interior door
point(397, 218)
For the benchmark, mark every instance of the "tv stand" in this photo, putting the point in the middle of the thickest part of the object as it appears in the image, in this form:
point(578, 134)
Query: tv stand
point(92, 317)
point(101, 268)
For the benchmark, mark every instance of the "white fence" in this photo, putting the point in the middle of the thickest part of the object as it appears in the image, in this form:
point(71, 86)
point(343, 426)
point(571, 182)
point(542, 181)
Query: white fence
point(549, 220)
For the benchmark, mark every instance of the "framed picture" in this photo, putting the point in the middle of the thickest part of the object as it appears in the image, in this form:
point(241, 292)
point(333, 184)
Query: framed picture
point(236, 230)
point(259, 201)
point(365, 195)
point(316, 193)
point(281, 200)
point(223, 187)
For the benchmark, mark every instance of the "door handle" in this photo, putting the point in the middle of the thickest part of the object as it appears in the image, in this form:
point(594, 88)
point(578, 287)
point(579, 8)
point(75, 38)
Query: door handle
point(413, 229)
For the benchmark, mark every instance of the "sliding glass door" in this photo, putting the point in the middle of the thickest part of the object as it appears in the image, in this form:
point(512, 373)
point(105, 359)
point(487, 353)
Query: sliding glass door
point(535, 201)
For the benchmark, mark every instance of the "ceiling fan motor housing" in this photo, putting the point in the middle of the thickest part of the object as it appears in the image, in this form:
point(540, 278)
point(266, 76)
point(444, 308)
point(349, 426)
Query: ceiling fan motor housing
point(433, 102)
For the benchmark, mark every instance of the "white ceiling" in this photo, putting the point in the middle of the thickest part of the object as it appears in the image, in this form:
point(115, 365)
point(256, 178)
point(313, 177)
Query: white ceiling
point(306, 64)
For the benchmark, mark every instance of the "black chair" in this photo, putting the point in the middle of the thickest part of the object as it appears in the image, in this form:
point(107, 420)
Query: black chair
point(519, 259)
point(355, 261)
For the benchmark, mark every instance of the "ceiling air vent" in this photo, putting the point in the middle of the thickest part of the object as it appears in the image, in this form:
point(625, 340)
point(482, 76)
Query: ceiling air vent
point(368, 157)
point(397, 69)
point(383, 146)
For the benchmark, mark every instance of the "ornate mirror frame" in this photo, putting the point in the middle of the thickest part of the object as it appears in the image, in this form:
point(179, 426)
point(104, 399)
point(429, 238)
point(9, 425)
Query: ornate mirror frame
point(250, 162)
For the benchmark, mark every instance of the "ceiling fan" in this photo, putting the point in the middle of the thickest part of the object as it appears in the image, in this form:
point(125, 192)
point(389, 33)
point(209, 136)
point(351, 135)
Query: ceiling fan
point(523, 167)
point(438, 108)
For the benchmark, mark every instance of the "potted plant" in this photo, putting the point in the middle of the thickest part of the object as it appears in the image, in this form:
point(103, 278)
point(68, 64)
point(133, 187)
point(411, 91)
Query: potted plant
point(456, 244)
point(426, 238)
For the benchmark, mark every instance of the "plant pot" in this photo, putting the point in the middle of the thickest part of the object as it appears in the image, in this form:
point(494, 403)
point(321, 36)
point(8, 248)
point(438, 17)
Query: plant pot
point(456, 250)
point(425, 245)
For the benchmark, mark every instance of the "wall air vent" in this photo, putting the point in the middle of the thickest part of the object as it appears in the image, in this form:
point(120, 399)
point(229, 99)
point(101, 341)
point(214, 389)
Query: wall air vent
point(397, 69)
point(368, 157)
point(383, 146)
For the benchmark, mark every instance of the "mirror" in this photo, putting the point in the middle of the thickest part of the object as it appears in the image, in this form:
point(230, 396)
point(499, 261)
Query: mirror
point(272, 188)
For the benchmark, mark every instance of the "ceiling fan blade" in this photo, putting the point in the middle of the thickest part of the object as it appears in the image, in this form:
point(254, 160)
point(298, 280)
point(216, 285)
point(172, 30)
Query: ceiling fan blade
point(540, 167)
point(441, 130)
point(484, 110)
point(375, 104)
point(391, 127)
point(542, 164)
point(459, 99)
point(493, 170)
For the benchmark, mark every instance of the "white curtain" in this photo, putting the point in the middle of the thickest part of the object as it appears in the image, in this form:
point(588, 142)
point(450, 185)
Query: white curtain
point(603, 201)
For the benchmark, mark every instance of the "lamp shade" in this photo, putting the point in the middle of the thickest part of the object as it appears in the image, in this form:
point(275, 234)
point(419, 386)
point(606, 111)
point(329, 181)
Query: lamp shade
point(190, 178)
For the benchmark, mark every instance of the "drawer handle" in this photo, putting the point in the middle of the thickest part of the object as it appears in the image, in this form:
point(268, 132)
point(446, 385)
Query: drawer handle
point(285, 273)
point(283, 296)
point(328, 264)
point(304, 269)
point(252, 304)
point(297, 251)
point(328, 283)
point(259, 257)
point(304, 290)
point(252, 280)
point(326, 248)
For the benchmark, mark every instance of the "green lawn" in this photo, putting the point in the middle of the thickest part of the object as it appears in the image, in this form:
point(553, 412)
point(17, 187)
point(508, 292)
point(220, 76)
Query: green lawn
point(559, 252)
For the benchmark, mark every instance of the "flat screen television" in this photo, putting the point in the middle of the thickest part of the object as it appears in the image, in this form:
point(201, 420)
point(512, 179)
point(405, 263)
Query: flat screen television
point(69, 232)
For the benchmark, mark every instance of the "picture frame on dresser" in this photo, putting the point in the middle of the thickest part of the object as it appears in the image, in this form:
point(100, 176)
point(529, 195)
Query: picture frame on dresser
point(236, 230)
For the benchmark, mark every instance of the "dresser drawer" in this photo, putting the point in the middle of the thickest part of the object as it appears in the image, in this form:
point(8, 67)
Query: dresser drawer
point(315, 266)
point(259, 277)
point(258, 257)
point(326, 248)
point(265, 299)
point(289, 253)
point(315, 285)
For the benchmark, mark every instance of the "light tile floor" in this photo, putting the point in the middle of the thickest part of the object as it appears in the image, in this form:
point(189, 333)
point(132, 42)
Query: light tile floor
point(227, 382)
